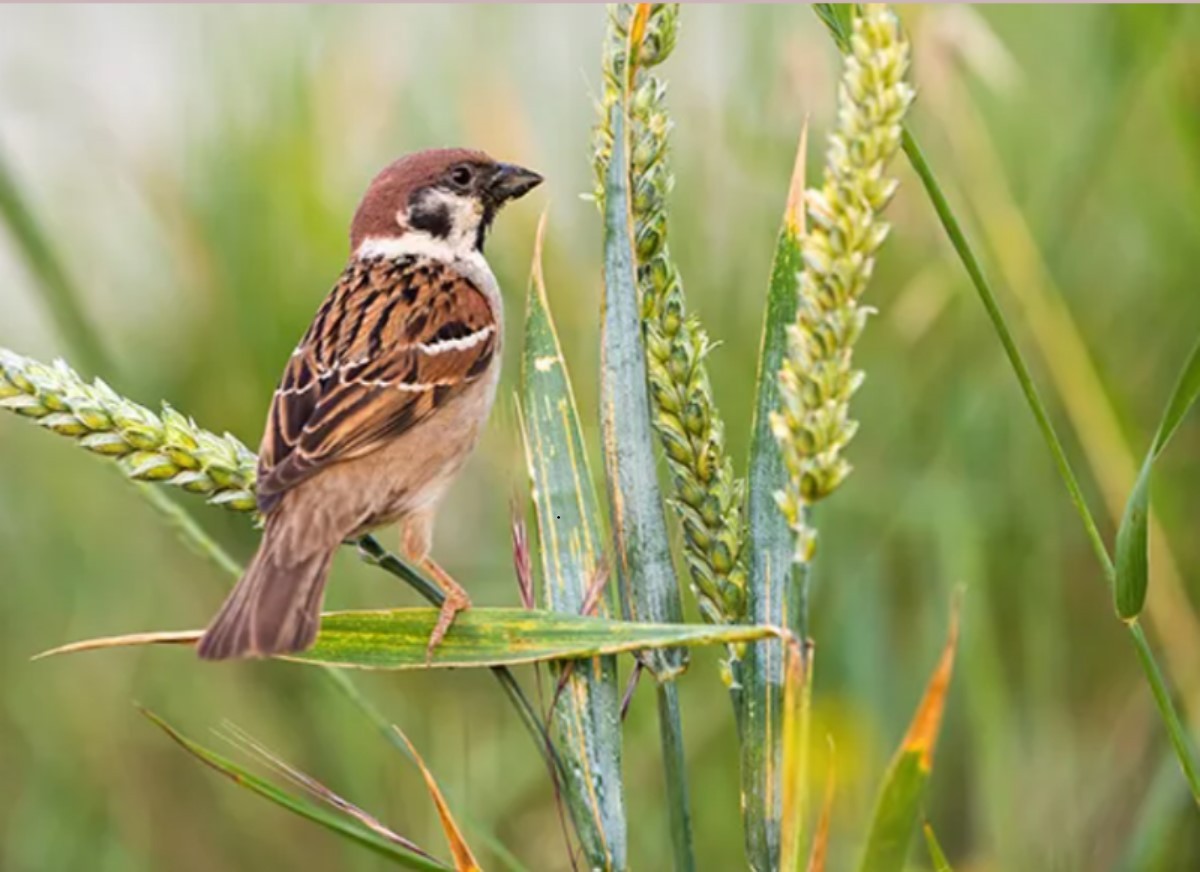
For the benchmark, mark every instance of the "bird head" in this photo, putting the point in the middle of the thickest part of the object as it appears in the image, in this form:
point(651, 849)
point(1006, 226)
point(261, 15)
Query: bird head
point(448, 195)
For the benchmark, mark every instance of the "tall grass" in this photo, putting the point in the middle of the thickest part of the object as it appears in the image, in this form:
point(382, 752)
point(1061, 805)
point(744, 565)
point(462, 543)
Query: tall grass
point(677, 405)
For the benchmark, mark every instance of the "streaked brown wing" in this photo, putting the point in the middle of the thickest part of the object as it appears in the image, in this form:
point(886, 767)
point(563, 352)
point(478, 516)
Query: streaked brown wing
point(394, 341)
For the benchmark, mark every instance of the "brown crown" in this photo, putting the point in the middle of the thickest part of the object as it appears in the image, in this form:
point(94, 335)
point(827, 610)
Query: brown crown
point(390, 190)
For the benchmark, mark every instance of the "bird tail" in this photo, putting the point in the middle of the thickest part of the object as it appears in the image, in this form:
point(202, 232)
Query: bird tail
point(275, 607)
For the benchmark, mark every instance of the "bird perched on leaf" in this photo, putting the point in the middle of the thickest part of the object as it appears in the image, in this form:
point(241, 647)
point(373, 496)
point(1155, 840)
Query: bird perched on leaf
point(383, 399)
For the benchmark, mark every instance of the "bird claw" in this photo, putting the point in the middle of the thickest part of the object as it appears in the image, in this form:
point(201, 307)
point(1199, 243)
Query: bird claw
point(455, 602)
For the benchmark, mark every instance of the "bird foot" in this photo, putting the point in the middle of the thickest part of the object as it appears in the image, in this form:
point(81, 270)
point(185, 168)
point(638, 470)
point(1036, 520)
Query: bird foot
point(455, 602)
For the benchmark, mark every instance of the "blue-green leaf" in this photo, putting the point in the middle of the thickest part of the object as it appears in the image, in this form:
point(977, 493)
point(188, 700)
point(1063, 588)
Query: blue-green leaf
point(770, 595)
point(587, 711)
point(649, 588)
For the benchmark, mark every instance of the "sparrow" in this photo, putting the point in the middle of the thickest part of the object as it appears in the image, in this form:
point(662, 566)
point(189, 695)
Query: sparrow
point(382, 401)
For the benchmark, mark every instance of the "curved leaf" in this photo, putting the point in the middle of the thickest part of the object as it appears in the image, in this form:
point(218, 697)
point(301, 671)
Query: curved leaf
point(464, 860)
point(1133, 564)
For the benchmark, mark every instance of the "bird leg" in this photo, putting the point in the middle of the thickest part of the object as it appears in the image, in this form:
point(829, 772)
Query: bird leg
point(416, 534)
point(456, 601)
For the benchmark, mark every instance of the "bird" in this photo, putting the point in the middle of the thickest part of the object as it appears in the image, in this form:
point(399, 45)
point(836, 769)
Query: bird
point(383, 399)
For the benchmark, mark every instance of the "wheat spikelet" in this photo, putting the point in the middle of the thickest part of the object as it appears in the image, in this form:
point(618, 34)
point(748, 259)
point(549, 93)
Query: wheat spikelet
point(844, 232)
point(167, 448)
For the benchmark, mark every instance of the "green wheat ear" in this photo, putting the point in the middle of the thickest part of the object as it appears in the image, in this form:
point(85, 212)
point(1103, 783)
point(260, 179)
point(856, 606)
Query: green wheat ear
point(166, 448)
point(845, 230)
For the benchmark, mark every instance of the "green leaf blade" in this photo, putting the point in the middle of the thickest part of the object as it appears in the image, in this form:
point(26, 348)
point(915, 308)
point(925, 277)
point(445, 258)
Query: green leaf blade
point(839, 18)
point(646, 579)
point(645, 573)
point(1133, 541)
point(396, 639)
point(772, 595)
point(899, 804)
point(936, 854)
point(587, 712)
point(1133, 535)
point(896, 815)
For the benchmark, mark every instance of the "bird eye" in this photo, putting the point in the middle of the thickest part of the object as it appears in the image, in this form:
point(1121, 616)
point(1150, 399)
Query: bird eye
point(462, 175)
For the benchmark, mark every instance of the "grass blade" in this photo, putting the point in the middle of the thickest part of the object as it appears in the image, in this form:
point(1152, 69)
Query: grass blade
point(899, 803)
point(839, 18)
point(409, 857)
point(396, 638)
point(646, 577)
point(1133, 564)
point(940, 863)
point(643, 556)
point(773, 592)
point(464, 860)
point(587, 713)
point(1162, 698)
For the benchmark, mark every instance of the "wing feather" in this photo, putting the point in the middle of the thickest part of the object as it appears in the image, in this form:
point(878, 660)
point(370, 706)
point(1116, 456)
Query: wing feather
point(395, 341)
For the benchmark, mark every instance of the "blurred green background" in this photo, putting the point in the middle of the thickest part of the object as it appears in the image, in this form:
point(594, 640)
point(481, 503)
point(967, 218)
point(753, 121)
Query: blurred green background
point(196, 169)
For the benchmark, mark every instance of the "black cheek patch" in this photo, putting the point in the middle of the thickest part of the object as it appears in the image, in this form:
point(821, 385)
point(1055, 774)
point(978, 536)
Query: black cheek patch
point(485, 224)
point(432, 217)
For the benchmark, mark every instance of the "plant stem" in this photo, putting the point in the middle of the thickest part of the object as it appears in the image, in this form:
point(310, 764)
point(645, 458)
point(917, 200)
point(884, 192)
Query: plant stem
point(950, 223)
point(675, 763)
point(962, 247)
point(379, 556)
point(1162, 698)
point(375, 554)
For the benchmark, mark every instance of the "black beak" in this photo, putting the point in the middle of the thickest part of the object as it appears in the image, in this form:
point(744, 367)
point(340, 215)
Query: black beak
point(510, 182)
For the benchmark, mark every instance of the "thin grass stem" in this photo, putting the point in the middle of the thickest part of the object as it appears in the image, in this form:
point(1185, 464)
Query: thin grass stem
point(965, 253)
point(1162, 698)
point(675, 764)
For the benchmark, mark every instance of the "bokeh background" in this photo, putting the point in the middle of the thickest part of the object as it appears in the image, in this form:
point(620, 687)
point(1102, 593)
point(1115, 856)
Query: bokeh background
point(195, 170)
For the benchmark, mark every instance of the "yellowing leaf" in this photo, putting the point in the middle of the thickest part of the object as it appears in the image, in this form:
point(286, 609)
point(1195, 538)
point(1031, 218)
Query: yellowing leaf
point(396, 638)
point(899, 803)
point(923, 731)
point(464, 860)
point(820, 848)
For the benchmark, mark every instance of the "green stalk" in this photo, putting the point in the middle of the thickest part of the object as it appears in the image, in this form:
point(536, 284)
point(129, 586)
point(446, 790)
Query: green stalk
point(646, 578)
point(966, 254)
point(675, 764)
point(1162, 698)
